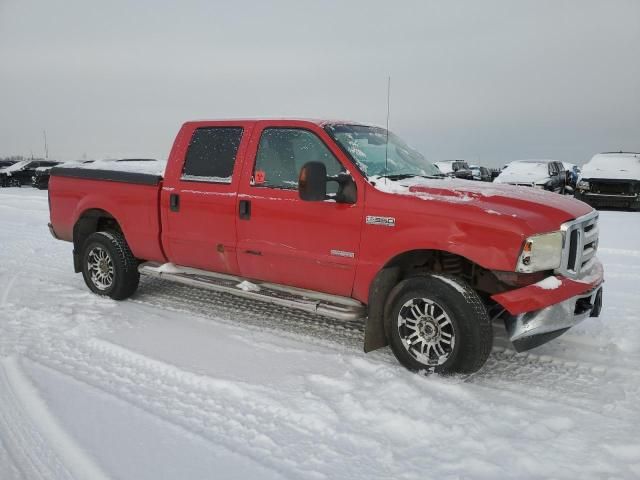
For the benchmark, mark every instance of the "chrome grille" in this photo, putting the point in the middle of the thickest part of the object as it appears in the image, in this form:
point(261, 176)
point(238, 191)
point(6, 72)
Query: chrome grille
point(579, 244)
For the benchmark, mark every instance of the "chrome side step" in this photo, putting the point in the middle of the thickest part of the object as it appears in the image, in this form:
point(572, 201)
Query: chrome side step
point(341, 308)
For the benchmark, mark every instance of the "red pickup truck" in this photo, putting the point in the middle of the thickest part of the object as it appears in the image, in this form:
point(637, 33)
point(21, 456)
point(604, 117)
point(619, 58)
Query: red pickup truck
point(340, 219)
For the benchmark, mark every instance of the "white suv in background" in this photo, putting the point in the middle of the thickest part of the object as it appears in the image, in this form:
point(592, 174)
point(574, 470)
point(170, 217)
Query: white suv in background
point(544, 174)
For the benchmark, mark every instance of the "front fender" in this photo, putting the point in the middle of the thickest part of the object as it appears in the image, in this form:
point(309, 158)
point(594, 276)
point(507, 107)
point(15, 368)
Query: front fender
point(487, 246)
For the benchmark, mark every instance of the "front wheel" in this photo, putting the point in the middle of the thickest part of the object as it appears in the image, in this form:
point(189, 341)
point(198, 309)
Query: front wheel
point(437, 323)
point(108, 266)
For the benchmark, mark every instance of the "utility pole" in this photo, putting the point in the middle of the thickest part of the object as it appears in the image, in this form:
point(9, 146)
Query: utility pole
point(46, 148)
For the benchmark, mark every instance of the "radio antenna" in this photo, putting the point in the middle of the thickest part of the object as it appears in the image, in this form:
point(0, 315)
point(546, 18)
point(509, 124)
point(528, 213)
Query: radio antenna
point(46, 147)
point(386, 146)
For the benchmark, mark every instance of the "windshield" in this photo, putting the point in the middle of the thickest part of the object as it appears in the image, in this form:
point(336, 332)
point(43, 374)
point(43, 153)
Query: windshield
point(368, 147)
point(17, 166)
point(459, 166)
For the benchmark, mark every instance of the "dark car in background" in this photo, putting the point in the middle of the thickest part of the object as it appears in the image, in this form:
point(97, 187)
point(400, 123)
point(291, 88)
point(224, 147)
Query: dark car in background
point(611, 180)
point(21, 173)
point(455, 168)
point(6, 163)
point(482, 174)
point(40, 178)
point(544, 174)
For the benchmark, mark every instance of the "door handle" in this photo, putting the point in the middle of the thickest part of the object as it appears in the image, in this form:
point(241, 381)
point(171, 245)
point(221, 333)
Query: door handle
point(244, 209)
point(174, 202)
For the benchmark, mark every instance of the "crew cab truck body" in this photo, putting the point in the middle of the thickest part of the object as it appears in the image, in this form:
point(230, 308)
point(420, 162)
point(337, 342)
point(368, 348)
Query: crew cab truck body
point(344, 220)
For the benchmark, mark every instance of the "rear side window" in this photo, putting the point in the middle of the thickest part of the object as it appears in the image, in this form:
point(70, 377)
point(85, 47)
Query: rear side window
point(282, 153)
point(212, 154)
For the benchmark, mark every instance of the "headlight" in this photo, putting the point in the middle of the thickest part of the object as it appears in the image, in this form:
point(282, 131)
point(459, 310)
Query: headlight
point(540, 252)
point(583, 185)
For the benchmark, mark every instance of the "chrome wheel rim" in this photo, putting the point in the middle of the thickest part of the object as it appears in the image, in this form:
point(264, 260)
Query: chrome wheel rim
point(426, 331)
point(100, 266)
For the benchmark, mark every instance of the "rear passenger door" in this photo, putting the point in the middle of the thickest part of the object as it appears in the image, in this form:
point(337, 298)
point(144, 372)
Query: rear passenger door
point(199, 204)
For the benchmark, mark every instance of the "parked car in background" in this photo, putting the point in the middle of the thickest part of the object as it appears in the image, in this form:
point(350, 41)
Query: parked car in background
point(40, 178)
point(611, 180)
point(544, 174)
point(455, 168)
point(494, 173)
point(21, 173)
point(481, 174)
point(6, 163)
point(573, 172)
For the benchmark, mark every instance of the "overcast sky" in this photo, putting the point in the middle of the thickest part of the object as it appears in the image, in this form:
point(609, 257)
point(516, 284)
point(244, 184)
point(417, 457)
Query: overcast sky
point(481, 80)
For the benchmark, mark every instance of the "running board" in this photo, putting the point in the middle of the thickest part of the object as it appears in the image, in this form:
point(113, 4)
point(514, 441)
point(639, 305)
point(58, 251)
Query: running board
point(334, 306)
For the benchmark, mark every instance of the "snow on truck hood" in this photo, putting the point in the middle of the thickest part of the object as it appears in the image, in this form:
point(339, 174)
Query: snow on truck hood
point(521, 203)
point(617, 166)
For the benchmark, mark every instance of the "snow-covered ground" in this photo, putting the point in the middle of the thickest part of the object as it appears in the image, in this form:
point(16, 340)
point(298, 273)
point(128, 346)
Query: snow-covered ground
point(182, 383)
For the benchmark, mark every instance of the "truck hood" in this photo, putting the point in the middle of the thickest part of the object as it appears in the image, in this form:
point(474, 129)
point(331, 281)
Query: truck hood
point(539, 209)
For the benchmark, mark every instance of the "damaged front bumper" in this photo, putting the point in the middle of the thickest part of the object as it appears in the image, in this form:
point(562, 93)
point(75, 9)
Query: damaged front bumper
point(538, 314)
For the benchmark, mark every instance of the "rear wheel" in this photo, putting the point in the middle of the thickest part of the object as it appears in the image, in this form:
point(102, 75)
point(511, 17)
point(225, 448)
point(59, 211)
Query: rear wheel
point(108, 266)
point(437, 323)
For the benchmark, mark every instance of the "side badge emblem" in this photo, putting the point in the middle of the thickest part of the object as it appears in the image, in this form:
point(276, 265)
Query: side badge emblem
point(382, 221)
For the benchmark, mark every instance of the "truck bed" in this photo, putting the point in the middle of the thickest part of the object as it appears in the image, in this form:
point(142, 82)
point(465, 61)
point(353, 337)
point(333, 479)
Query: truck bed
point(130, 196)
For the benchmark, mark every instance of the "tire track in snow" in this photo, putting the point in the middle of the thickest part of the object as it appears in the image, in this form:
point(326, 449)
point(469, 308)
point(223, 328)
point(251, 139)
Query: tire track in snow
point(619, 251)
point(38, 447)
point(242, 313)
point(262, 423)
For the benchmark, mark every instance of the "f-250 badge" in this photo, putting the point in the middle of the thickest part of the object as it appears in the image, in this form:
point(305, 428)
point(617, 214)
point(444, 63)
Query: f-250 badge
point(383, 221)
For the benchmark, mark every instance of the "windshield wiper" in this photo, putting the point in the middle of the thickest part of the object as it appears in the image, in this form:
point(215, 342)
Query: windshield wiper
point(402, 176)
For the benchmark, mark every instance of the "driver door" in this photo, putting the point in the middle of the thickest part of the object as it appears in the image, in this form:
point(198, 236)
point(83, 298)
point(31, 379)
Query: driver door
point(283, 239)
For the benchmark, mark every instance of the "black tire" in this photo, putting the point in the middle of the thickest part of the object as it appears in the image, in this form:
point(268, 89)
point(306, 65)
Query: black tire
point(124, 277)
point(470, 325)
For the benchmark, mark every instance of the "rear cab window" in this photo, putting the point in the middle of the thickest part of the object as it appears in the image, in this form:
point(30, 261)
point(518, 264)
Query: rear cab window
point(211, 155)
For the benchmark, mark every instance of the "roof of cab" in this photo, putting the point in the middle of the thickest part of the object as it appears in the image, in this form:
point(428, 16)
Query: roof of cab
point(315, 121)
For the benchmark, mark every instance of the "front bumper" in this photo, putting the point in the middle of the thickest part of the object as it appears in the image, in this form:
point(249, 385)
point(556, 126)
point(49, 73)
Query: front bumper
point(538, 315)
point(609, 199)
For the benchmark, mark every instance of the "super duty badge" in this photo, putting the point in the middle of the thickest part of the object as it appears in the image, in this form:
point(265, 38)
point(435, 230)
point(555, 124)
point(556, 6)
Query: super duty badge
point(383, 221)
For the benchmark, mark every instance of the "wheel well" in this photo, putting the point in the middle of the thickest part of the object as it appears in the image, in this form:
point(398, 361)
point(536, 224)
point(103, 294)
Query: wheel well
point(415, 262)
point(91, 221)
point(438, 261)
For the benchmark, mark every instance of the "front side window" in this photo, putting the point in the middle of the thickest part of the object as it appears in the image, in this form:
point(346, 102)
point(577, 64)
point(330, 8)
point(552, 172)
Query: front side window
point(212, 154)
point(283, 152)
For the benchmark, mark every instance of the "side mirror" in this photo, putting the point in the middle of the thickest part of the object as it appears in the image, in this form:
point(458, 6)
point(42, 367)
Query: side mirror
point(312, 182)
